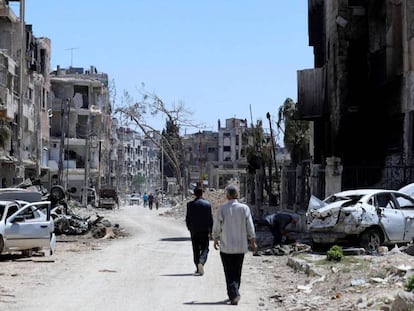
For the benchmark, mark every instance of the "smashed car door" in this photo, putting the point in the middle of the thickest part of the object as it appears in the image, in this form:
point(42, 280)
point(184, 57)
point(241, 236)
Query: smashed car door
point(390, 216)
point(406, 205)
point(28, 228)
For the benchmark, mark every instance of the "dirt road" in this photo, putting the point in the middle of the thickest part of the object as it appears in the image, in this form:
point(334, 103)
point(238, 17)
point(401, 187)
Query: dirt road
point(150, 269)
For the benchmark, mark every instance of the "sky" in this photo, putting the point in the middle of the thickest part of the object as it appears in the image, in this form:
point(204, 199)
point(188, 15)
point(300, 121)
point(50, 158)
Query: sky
point(221, 59)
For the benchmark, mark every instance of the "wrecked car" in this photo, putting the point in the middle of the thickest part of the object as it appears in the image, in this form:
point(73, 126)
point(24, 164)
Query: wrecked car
point(369, 218)
point(108, 198)
point(26, 227)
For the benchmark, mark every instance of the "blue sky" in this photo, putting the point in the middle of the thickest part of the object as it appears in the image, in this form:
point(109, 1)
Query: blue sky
point(220, 58)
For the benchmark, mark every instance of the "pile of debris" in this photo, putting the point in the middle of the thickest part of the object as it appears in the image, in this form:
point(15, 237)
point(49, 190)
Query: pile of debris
point(71, 220)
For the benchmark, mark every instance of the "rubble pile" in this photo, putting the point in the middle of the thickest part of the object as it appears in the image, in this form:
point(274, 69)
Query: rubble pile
point(179, 207)
point(70, 219)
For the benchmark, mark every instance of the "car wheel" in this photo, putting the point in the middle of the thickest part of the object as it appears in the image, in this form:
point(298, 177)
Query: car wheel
point(371, 239)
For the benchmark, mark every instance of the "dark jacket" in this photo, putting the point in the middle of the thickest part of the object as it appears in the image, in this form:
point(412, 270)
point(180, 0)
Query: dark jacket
point(199, 217)
point(279, 221)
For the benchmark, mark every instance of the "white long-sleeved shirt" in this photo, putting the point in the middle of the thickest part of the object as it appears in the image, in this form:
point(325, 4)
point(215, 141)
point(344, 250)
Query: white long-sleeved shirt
point(233, 227)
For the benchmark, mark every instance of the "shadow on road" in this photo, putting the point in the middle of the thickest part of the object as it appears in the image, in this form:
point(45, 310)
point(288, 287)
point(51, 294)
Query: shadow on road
point(207, 303)
point(19, 257)
point(179, 274)
point(177, 239)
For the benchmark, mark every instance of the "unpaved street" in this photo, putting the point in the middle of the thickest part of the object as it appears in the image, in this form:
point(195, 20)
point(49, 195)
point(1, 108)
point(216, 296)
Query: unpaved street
point(150, 269)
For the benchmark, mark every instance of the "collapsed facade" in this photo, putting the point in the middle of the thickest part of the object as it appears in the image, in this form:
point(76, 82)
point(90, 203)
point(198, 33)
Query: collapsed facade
point(360, 94)
point(80, 149)
point(212, 158)
point(24, 92)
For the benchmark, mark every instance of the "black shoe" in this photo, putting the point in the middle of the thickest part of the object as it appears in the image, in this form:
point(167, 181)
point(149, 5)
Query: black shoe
point(235, 300)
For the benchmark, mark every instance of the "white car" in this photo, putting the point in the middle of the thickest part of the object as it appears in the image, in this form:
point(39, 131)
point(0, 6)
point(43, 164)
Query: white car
point(26, 227)
point(366, 217)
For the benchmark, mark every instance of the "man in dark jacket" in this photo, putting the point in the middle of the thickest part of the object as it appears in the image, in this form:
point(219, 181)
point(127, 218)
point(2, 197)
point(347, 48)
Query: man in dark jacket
point(277, 224)
point(199, 221)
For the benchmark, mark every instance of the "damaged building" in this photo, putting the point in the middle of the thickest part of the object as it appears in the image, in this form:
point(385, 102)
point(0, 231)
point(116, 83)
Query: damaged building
point(360, 95)
point(80, 143)
point(24, 94)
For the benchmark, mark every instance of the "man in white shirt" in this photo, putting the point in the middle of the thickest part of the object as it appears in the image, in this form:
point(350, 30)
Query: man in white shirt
point(232, 229)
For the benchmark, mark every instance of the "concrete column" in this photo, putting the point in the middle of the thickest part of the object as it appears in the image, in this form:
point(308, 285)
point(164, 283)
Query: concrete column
point(333, 176)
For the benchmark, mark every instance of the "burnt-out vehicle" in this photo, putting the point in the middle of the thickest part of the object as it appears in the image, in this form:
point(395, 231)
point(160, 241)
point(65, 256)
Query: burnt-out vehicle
point(108, 198)
point(366, 217)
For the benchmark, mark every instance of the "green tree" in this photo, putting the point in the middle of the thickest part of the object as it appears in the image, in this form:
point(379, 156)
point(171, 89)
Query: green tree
point(138, 181)
point(296, 132)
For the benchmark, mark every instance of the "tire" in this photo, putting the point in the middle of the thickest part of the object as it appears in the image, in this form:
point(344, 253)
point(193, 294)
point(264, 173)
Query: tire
point(371, 239)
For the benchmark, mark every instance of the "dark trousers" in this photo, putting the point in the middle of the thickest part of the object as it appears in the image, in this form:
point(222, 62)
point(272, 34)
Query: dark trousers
point(277, 235)
point(232, 264)
point(200, 241)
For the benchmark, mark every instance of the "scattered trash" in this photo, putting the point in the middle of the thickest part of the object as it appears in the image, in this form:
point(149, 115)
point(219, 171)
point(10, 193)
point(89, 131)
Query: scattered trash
point(357, 282)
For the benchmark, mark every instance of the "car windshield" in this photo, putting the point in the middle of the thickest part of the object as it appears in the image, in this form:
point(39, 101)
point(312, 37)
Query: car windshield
point(2, 207)
point(107, 193)
point(337, 198)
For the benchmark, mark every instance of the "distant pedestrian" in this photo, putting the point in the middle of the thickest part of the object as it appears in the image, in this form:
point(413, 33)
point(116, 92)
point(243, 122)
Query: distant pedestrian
point(145, 199)
point(277, 224)
point(232, 228)
point(150, 201)
point(199, 221)
point(156, 201)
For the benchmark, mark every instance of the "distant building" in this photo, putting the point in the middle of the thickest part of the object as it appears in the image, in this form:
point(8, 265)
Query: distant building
point(138, 158)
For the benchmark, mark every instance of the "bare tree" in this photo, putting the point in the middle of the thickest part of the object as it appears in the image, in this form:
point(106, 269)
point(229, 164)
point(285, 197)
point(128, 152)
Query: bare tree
point(169, 140)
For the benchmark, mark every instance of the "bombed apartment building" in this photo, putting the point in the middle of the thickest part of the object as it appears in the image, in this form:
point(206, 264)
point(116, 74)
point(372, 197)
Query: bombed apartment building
point(360, 95)
point(24, 93)
point(80, 140)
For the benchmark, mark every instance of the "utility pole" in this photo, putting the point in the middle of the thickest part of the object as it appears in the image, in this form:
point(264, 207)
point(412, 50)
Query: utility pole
point(62, 140)
point(200, 162)
point(21, 87)
point(87, 166)
point(162, 170)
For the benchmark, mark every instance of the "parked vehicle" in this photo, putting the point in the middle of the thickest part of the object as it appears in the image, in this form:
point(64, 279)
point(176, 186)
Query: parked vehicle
point(108, 198)
point(368, 217)
point(134, 199)
point(26, 227)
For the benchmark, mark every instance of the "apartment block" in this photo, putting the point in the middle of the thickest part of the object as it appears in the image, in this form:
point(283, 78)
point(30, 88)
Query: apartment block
point(138, 161)
point(80, 142)
point(24, 100)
